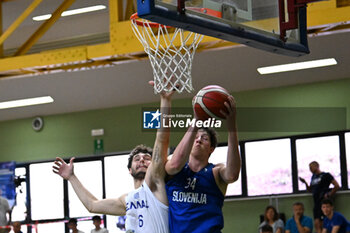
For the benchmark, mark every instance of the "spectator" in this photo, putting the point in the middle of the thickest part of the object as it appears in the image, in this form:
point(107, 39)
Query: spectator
point(96, 220)
point(299, 223)
point(319, 186)
point(271, 219)
point(5, 212)
point(16, 227)
point(72, 225)
point(121, 222)
point(266, 229)
point(333, 222)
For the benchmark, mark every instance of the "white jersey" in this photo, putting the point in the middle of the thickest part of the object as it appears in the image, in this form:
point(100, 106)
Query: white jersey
point(145, 213)
point(102, 230)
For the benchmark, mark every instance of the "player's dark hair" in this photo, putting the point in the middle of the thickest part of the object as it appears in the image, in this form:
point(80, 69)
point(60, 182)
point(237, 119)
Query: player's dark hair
point(96, 218)
point(315, 163)
point(73, 220)
point(266, 228)
point(275, 214)
point(139, 149)
point(212, 135)
point(299, 204)
point(327, 202)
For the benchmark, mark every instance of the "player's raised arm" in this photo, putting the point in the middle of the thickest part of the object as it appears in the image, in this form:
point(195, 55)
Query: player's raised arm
point(156, 171)
point(115, 206)
point(230, 172)
point(182, 152)
point(302, 180)
point(160, 150)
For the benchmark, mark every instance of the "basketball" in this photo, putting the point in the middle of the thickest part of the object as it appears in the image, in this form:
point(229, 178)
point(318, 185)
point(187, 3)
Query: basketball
point(209, 101)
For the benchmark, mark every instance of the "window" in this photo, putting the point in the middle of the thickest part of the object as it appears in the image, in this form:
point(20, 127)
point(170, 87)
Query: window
point(90, 175)
point(118, 182)
point(324, 150)
point(219, 156)
point(269, 167)
point(50, 227)
point(347, 147)
point(46, 192)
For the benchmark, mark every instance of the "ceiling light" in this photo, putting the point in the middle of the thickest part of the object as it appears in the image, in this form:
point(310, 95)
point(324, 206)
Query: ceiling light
point(72, 12)
point(297, 66)
point(26, 102)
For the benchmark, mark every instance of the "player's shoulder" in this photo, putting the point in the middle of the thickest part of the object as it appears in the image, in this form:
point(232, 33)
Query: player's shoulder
point(216, 169)
point(328, 175)
point(219, 165)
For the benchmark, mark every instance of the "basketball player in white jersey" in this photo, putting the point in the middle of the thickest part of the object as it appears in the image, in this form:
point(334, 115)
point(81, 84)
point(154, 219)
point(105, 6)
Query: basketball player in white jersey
point(146, 207)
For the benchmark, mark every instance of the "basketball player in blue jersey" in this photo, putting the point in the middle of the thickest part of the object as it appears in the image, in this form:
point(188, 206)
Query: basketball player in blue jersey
point(196, 188)
point(146, 208)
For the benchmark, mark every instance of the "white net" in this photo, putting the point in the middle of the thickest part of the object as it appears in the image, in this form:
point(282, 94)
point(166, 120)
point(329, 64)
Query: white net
point(170, 51)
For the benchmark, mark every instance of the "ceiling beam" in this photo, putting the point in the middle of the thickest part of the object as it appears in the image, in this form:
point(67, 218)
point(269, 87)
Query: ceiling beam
point(44, 27)
point(19, 20)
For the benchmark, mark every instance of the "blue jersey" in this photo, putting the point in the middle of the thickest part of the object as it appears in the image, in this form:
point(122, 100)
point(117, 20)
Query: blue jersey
point(195, 202)
point(305, 221)
point(337, 220)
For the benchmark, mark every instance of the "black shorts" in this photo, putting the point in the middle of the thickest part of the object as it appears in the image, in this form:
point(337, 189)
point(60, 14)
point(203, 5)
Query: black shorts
point(318, 214)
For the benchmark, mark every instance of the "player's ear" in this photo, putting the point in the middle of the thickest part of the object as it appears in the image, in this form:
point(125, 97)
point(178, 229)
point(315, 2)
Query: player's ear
point(212, 149)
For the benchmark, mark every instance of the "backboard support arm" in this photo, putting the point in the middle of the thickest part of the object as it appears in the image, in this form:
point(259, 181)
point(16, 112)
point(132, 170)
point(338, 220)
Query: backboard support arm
point(292, 9)
point(181, 6)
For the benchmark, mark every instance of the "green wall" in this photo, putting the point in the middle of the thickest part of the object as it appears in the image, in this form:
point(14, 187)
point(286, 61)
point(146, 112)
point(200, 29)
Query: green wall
point(69, 134)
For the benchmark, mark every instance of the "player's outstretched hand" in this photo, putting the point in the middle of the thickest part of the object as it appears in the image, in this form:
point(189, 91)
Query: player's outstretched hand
point(63, 169)
point(164, 94)
point(302, 180)
point(230, 115)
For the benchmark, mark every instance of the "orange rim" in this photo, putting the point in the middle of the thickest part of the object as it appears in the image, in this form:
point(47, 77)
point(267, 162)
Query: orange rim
point(135, 18)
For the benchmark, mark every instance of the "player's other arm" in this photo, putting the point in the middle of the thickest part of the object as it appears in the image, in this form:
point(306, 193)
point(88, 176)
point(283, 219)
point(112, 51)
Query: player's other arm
point(115, 206)
point(302, 180)
point(302, 229)
point(230, 172)
point(335, 229)
point(334, 189)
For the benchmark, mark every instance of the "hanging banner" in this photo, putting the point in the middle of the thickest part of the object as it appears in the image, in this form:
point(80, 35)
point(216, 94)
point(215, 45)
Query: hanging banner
point(7, 184)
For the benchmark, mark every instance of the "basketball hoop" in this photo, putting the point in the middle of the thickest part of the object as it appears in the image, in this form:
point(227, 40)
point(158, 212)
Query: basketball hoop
point(171, 63)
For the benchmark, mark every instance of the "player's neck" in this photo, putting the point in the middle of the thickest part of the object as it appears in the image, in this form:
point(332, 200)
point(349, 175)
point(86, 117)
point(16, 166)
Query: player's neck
point(197, 164)
point(138, 183)
point(330, 216)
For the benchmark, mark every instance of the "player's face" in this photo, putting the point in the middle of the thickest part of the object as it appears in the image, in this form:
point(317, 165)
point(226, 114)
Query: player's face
point(202, 143)
point(298, 210)
point(139, 165)
point(96, 223)
point(16, 227)
point(327, 209)
point(313, 167)
point(72, 225)
point(270, 214)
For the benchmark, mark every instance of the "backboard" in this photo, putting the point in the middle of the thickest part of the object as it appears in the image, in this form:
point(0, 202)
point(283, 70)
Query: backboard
point(277, 26)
